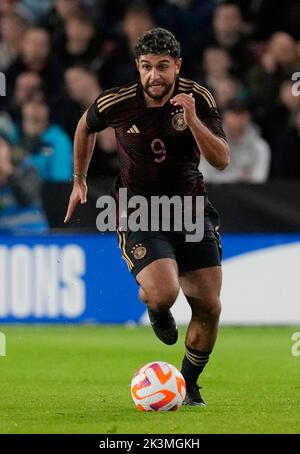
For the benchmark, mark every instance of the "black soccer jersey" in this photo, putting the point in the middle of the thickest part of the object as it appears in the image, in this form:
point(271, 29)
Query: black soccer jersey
point(158, 153)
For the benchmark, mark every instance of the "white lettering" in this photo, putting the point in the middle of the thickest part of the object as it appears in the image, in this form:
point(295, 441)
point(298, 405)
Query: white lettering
point(296, 346)
point(296, 85)
point(43, 281)
point(2, 84)
point(4, 281)
point(2, 344)
point(106, 220)
point(73, 293)
point(47, 265)
point(195, 443)
point(169, 444)
point(21, 278)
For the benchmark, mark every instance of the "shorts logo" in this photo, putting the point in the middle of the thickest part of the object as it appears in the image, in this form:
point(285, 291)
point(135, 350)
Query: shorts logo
point(178, 121)
point(139, 251)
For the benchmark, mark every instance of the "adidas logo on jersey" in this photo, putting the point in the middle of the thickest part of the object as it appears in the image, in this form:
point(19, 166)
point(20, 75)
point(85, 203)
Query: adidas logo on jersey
point(133, 130)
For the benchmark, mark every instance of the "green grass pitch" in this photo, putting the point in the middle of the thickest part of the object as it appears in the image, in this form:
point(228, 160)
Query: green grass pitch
point(69, 379)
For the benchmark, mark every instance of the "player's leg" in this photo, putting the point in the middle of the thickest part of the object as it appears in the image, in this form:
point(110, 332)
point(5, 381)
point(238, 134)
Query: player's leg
point(202, 290)
point(159, 284)
point(159, 290)
point(150, 257)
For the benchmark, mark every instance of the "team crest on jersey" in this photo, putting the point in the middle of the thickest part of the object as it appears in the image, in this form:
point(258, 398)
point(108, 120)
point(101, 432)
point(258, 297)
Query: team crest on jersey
point(178, 121)
point(139, 251)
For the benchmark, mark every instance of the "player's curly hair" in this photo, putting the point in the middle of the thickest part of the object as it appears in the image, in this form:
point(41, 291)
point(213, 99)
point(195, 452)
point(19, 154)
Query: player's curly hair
point(157, 41)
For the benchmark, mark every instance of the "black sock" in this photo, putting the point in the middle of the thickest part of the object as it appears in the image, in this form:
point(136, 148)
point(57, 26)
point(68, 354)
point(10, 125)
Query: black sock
point(193, 364)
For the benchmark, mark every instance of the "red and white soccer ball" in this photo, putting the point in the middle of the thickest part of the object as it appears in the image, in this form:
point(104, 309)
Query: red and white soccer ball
point(158, 386)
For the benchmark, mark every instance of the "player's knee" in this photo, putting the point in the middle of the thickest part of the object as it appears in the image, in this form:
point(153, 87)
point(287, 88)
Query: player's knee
point(142, 295)
point(163, 299)
point(209, 309)
point(214, 308)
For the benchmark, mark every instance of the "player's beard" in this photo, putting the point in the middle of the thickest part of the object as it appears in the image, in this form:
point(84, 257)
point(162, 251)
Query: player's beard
point(165, 89)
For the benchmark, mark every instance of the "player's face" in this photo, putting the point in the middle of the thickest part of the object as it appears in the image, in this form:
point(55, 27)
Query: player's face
point(158, 74)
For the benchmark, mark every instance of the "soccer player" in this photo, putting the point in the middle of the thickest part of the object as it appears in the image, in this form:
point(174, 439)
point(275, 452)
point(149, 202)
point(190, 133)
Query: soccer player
point(162, 124)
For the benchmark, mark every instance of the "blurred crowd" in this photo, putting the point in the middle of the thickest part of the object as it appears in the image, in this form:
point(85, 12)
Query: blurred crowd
point(58, 55)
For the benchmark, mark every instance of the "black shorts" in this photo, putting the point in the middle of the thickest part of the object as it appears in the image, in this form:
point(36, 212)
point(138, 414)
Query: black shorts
point(139, 249)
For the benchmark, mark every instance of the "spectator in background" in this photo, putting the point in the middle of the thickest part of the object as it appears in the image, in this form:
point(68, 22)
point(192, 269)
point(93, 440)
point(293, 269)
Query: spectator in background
point(281, 129)
point(35, 10)
point(113, 12)
point(188, 20)
point(20, 195)
point(26, 85)
point(288, 151)
point(216, 74)
point(62, 10)
point(36, 57)
point(47, 145)
point(228, 32)
point(7, 6)
point(55, 21)
point(61, 110)
point(118, 68)
point(83, 88)
point(7, 127)
point(12, 30)
point(278, 64)
point(81, 44)
point(227, 90)
point(66, 8)
point(216, 65)
point(250, 154)
point(268, 16)
point(285, 107)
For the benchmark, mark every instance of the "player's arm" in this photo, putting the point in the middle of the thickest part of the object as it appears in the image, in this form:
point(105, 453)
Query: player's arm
point(214, 148)
point(84, 142)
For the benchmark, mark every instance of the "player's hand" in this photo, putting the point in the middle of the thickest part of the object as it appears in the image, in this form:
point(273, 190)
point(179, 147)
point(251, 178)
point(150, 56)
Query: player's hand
point(78, 194)
point(187, 102)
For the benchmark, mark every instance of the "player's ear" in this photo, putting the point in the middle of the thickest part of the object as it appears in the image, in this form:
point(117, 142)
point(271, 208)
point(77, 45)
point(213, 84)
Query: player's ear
point(137, 63)
point(178, 63)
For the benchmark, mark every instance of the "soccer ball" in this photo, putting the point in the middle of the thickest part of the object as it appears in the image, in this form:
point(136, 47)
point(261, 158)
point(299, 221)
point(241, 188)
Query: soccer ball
point(158, 386)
